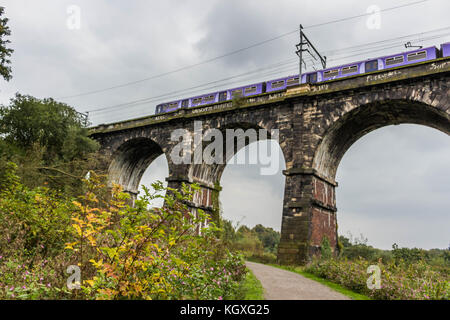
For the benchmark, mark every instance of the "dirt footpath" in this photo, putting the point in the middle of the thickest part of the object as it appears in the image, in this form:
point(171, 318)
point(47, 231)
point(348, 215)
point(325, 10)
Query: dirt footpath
point(280, 284)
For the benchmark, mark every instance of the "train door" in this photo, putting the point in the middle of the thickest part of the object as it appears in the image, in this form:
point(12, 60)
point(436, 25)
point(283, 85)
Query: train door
point(311, 78)
point(222, 96)
point(185, 103)
point(371, 66)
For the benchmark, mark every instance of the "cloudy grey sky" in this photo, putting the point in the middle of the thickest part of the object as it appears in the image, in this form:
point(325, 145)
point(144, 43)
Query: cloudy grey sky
point(394, 182)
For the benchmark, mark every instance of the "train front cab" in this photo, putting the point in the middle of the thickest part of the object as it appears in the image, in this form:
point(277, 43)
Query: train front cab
point(160, 108)
point(445, 49)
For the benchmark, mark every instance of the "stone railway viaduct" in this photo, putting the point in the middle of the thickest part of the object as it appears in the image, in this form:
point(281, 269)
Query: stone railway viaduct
point(316, 123)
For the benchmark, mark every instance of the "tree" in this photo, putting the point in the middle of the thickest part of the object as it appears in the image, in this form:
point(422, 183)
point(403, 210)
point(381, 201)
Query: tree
point(5, 53)
point(269, 237)
point(48, 140)
point(346, 243)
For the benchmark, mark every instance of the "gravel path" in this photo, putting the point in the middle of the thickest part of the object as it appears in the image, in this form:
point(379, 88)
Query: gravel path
point(280, 284)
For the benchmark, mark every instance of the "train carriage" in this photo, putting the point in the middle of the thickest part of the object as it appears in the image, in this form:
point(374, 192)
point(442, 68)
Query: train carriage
point(282, 83)
point(346, 70)
point(204, 99)
point(246, 91)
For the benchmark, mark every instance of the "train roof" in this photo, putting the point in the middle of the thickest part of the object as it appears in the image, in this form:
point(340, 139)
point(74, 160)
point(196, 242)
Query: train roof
point(295, 75)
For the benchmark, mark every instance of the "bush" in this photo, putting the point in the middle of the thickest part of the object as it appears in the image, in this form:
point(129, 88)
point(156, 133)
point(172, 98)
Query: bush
point(123, 251)
point(137, 253)
point(416, 281)
point(325, 248)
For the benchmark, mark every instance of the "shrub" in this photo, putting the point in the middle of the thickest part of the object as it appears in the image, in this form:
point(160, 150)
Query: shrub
point(137, 253)
point(416, 281)
point(123, 251)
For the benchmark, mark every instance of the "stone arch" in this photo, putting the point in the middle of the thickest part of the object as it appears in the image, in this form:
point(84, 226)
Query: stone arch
point(210, 174)
point(368, 117)
point(130, 160)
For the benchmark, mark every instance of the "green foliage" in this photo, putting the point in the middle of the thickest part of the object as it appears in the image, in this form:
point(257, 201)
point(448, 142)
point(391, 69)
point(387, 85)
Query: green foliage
point(48, 141)
point(325, 248)
point(32, 222)
point(358, 248)
point(268, 237)
point(5, 53)
point(137, 253)
point(54, 126)
point(33, 227)
point(417, 281)
point(248, 241)
point(123, 251)
point(408, 255)
point(258, 244)
point(251, 288)
point(345, 242)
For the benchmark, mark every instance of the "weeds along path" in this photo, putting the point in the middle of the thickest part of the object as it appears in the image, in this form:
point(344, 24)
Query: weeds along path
point(280, 284)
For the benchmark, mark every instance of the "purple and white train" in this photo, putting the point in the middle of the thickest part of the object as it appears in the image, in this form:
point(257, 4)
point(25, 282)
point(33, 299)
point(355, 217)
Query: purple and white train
point(346, 70)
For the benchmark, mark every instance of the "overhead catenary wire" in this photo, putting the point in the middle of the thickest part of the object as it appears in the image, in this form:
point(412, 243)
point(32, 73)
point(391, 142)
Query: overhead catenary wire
point(235, 51)
point(362, 51)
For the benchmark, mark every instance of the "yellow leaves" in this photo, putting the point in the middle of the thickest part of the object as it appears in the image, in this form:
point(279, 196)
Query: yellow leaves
point(77, 229)
point(70, 245)
point(90, 282)
point(97, 264)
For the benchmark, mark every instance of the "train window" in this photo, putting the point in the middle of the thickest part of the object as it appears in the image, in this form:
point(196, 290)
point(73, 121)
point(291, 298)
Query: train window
point(236, 93)
point(292, 81)
point(394, 60)
point(209, 98)
point(157, 109)
point(417, 55)
point(372, 66)
point(350, 69)
point(173, 105)
point(277, 84)
point(311, 78)
point(250, 90)
point(197, 101)
point(331, 73)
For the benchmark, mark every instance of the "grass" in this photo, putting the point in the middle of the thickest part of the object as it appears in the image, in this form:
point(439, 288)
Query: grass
point(251, 288)
point(349, 293)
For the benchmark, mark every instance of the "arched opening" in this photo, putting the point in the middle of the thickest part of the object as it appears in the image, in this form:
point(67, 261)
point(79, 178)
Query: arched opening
point(130, 161)
point(248, 196)
point(355, 124)
point(364, 119)
point(247, 186)
point(158, 170)
point(394, 188)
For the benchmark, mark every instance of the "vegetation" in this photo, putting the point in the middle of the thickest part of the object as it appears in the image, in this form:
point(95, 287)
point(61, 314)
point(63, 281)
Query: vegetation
point(5, 53)
point(258, 244)
point(353, 249)
point(49, 142)
point(251, 288)
point(398, 281)
point(123, 251)
point(405, 273)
